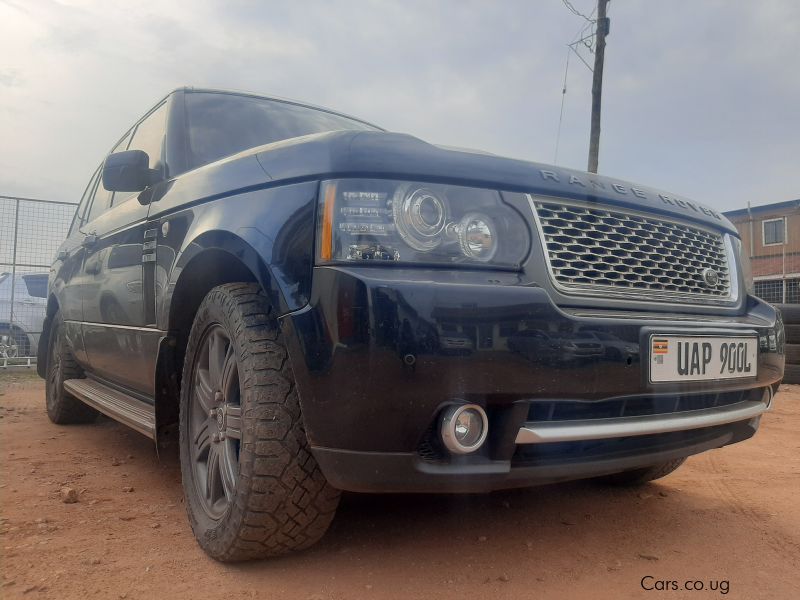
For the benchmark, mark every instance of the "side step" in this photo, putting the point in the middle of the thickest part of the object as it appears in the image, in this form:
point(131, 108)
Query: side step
point(121, 407)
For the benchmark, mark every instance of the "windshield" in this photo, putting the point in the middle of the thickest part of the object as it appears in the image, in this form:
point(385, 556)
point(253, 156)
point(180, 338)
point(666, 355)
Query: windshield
point(223, 124)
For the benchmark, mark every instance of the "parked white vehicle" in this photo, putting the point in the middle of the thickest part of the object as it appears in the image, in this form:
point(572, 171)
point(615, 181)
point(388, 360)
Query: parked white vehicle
point(19, 331)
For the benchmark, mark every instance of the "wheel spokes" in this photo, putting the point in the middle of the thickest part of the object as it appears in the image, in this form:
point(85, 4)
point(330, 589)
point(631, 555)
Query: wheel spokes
point(202, 439)
point(229, 377)
point(216, 422)
point(233, 421)
point(228, 467)
point(217, 350)
point(213, 482)
point(203, 391)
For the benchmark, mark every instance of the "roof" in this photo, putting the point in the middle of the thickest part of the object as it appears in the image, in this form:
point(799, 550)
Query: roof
point(776, 206)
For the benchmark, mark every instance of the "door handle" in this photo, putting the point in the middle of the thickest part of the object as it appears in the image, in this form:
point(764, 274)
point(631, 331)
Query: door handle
point(62, 255)
point(89, 241)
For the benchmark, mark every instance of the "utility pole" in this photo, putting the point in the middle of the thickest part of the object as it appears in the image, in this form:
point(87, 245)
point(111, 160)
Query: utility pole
point(597, 83)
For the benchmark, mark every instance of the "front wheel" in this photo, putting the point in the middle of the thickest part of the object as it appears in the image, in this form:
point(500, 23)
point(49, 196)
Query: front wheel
point(252, 487)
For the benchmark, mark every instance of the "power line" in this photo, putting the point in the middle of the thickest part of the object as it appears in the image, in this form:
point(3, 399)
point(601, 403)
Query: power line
point(561, 114)
point(594, 41)
point(575, 11)
point(578, 54)
point(580, 38)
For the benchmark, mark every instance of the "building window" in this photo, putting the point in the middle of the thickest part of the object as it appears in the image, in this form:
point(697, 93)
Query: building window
point(774, 231)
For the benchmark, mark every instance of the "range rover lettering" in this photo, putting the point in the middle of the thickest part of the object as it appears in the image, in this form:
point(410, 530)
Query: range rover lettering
point(306, 303)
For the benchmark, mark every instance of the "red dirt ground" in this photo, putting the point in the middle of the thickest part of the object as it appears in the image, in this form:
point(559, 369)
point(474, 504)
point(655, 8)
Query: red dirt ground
point(727, 515)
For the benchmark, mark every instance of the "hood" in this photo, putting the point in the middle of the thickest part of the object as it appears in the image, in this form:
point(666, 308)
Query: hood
point(402, 156)
point(394, 155)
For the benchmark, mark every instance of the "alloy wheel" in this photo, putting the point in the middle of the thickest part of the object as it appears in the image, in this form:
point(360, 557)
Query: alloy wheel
point(8, 346)
point(215, 417)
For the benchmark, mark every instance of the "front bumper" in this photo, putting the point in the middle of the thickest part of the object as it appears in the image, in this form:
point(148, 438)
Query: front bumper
point(401, 472)
point(373, 378)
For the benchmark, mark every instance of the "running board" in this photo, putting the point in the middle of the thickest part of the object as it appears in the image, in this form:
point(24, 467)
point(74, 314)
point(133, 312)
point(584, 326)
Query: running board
point(121, 407)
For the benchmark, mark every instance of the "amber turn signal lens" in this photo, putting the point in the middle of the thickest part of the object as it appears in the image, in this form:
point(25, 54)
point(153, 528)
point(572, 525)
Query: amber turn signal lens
point(326, 243)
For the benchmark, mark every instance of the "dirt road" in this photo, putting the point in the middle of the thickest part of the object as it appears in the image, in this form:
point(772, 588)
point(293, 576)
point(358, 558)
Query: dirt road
point(729, 519)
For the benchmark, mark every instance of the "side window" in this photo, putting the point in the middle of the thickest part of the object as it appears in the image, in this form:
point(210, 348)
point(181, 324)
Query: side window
point(101, 201)
point(149, 135)
point(117, 197)
point(77, 220)
point(102, 196)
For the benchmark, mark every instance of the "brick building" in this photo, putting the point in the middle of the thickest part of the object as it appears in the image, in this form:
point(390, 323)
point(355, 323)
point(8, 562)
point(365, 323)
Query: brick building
point(771, 235)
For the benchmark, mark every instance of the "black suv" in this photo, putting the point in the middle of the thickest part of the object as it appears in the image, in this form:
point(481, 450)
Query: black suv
point(316, 305)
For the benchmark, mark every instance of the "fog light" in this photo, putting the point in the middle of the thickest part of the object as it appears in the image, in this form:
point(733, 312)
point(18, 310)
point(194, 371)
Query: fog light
point(464, 428)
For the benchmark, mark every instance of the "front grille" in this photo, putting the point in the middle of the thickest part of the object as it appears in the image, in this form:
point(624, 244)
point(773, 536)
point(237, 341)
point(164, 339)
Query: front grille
point(596, 249)
point(638, 406)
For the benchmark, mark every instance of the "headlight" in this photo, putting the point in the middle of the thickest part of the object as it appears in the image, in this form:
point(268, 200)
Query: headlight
point(477, 237)
point(421, 223)
point(420, 216)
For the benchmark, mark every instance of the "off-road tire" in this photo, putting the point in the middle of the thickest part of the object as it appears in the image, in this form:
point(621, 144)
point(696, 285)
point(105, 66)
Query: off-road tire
point(792, 333)
point(281, 501)
point(642, 476)
point(62, 408)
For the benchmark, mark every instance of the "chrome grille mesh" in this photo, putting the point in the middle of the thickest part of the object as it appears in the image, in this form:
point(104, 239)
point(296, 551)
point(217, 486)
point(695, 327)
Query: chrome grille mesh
point(599, 248)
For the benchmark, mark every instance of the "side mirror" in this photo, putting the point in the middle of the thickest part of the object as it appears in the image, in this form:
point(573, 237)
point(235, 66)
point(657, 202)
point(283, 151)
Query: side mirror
point(128, 171)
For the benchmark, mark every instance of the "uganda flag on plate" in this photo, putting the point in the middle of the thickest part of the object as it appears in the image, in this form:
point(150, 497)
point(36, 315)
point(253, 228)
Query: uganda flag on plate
point(660, 346)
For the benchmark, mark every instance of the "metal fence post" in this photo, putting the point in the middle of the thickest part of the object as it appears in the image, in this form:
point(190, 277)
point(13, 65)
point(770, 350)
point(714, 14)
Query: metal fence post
point(13, 270)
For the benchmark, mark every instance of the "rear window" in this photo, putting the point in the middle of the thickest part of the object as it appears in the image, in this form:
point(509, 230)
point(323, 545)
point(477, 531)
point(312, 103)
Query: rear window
point(223, 124)
point(36, 284)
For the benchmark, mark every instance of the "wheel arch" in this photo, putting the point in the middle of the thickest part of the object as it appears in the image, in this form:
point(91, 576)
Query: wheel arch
point(44, 338)
point(212, 259)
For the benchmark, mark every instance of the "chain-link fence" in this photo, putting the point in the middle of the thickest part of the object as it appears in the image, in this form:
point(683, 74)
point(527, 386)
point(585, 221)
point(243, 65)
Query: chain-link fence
point(30, 233)
point(779, 291)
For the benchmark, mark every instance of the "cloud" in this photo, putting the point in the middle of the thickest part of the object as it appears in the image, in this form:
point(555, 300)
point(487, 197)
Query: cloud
point(699, 99)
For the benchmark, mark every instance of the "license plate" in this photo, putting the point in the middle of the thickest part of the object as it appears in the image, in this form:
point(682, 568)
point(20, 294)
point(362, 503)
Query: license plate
point(695, 358)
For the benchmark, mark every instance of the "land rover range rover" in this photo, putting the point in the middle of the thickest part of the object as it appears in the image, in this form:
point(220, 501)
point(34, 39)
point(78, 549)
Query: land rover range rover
point(316, 305)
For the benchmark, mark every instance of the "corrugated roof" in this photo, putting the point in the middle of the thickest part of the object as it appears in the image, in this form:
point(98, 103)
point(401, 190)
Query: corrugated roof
point(740, 212)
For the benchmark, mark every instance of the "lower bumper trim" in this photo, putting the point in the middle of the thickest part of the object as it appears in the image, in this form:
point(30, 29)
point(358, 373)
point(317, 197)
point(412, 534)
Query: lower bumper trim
point(598, 429)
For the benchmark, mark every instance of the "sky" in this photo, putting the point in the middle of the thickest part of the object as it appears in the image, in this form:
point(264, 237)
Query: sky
point(701, 97)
